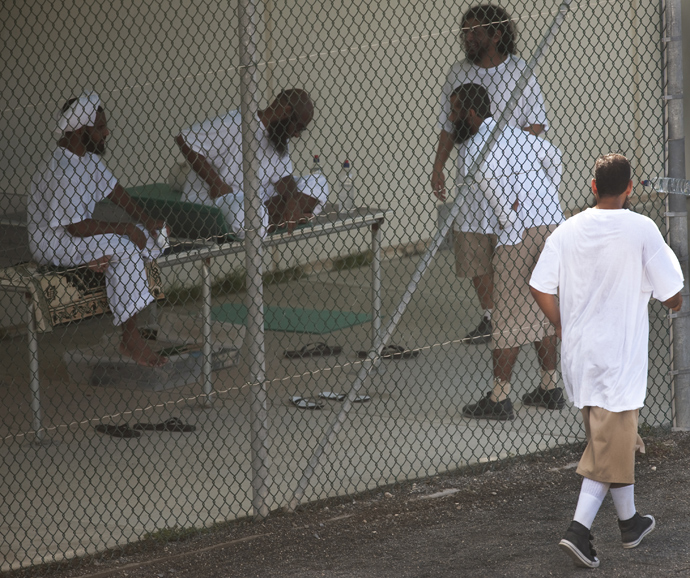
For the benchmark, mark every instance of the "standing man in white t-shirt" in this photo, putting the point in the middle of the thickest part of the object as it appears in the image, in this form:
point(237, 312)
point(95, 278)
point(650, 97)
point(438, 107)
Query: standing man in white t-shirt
point(213, 149)
point(518, 181)
point(63, 232)
point(604, 264)
point(489, 40)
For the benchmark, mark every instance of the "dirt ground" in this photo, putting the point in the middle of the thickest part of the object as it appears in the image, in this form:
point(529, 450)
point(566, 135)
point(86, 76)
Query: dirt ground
point(504, 520)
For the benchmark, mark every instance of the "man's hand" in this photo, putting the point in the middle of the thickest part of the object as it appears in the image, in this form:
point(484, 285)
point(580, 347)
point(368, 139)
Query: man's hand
point(219, 188)
point(137, 236)
point(100, 265)
point(154, 226)
point(438, 184)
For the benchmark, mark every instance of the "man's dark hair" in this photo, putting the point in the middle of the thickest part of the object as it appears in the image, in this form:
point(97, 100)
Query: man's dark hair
point(612, 174)
point(474, 97)
point(495, 19)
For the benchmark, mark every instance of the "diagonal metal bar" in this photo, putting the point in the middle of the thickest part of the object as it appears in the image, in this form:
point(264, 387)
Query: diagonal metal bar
point(426, 259)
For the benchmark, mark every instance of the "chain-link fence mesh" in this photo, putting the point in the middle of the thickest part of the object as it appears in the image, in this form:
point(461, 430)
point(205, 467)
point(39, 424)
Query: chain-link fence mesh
point(129, 397)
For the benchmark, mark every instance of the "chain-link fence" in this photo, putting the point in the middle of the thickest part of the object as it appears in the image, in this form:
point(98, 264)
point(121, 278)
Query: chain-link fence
point(145, 391)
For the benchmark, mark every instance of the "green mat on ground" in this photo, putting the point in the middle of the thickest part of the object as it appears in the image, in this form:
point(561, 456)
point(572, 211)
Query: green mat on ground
point(292, 320)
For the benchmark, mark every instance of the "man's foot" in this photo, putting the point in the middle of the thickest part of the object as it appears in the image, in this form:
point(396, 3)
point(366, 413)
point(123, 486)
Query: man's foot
point(550, 398)
point(136, 348)
point(577, 543)
point(487, 409)
point(481, 334)
point(636, 528)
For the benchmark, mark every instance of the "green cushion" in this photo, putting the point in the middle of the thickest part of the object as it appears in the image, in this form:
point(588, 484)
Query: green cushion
point(186, 220)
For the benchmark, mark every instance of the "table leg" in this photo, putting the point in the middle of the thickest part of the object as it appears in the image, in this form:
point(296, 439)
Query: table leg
point(376, 287)
point(34, 378)
point(206, 330)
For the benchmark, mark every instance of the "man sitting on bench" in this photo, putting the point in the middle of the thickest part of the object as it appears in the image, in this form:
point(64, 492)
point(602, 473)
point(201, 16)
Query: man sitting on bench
point(213, 149)
point(62, 231)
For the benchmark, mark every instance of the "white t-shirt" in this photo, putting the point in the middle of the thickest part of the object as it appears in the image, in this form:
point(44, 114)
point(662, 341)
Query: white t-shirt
point(605, 266)
point(219, 140)
point(519, 166)
point(64, 191)
point(499, 82)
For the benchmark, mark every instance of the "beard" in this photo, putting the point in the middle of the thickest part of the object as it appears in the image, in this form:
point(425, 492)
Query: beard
point(97, 148)
point(461, 131)
point(476, 51)
point(277, 133)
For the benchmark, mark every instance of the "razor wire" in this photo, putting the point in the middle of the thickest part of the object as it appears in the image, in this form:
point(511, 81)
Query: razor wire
point(385, 313)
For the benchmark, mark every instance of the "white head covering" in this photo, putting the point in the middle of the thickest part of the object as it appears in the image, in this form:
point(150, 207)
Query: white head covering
point(82, 112)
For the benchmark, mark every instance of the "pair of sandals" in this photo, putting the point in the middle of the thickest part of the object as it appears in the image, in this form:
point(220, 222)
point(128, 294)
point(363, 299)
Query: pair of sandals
point(323, 350)
point(173, 424)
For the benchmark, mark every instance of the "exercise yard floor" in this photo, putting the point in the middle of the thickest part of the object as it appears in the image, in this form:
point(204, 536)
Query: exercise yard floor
point(505, 521)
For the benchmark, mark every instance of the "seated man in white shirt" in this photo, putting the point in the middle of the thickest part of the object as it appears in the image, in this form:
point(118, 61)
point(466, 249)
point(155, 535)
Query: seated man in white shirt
point(213, 149)
point(63, 232)
point(516, 193)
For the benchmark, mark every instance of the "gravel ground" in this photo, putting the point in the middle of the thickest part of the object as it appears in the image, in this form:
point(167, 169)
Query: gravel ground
point(504, 520)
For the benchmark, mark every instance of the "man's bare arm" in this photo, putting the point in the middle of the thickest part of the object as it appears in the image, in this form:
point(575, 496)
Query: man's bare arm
point(92, 227)
point(203, 168)
point(438, 178)
point(675, 302)
point(121, 198)
point(549, 305)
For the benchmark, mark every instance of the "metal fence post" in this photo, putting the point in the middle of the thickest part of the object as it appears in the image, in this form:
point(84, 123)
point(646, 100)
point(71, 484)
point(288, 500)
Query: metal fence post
point(261, 478)
point(677, 207)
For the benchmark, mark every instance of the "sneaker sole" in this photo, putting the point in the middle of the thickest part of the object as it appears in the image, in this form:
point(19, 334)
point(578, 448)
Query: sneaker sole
point(647, 531)
point(578, 557)
point(494, 417)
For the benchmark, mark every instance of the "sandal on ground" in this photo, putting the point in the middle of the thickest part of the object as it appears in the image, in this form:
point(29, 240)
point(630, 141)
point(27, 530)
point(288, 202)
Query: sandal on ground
point(305, 402)
point(117, 431)
point(173, 424)
point(313, 350)
point(393, 352)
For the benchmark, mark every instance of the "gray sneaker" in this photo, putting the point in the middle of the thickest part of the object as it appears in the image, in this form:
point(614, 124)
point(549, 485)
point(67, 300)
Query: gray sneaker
point(481, 334)
point(548, 398)
point(636, 528)
point(487, 409)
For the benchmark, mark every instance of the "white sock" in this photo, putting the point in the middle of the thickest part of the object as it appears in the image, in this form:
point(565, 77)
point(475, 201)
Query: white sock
point(624, 500)
point(487, 314)
point(592, 495)
point(549, 379)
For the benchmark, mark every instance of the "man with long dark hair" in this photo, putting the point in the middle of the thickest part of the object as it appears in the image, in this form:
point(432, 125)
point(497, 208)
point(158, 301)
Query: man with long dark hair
point(489, 40)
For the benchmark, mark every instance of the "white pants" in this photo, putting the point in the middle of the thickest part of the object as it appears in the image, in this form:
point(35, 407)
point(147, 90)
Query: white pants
point(232, 206)
point(126, 282)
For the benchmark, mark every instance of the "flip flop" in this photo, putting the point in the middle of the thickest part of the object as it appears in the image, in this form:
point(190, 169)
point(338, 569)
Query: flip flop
point(333, 396)
point(393, 352)
point(341, 396)
point(313, 350)
point(173, 424)
point(117, 431)
point(305, 402)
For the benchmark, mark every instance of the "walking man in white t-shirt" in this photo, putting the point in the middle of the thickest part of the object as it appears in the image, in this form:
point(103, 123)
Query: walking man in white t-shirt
point(517, 183)
point(63, 232)
point(604, 264)
point(213, 149)
point(489, 40)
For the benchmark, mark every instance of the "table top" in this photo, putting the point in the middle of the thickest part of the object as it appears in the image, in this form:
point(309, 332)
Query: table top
point(14, 243)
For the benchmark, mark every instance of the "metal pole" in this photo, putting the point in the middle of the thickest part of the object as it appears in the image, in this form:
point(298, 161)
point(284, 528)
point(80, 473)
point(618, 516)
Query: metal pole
point(677, 208)
point(426, 259)
point(248, 15)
